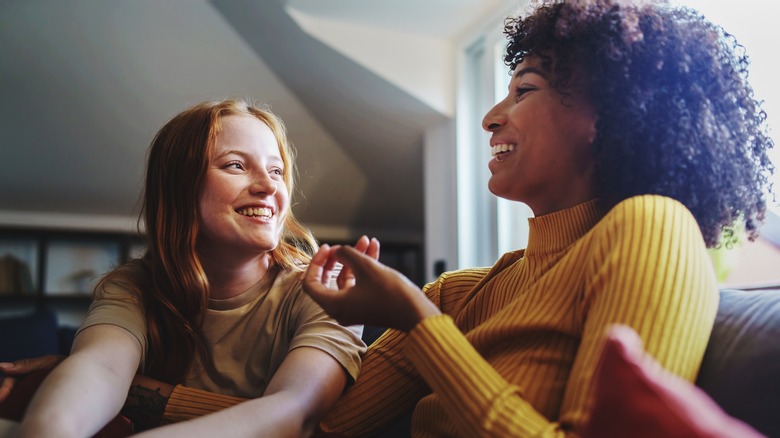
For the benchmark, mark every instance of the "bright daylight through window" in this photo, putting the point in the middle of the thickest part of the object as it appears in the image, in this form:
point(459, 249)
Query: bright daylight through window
point(753, 23)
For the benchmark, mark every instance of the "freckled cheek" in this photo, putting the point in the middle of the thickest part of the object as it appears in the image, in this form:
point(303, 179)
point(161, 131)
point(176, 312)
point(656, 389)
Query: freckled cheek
point(283, 197)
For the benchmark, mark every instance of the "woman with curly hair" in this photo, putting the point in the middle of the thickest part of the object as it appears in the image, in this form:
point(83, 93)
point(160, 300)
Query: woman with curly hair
point(633, 135)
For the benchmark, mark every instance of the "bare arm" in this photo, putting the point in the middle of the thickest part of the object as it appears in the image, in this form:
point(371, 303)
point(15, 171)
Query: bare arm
point(307, 384)
point(88, 388)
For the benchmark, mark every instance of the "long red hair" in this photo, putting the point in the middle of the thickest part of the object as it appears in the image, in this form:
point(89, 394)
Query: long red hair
point(170, 279)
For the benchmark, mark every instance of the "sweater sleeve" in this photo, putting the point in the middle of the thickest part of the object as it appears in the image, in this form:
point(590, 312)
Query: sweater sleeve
point(187, 403)
point(648, 269)
point(387, 388)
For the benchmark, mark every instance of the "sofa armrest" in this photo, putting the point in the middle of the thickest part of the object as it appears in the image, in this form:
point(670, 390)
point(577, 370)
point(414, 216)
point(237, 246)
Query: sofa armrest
point(741, 367)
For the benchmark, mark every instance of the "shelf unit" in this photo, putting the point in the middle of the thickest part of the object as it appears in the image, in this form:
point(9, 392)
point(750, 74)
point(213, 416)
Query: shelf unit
point(63, 265)
point(59, 267)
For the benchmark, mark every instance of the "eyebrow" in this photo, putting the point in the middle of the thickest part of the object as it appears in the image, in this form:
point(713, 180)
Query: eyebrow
point(229, 152)
point(528, 70)
point(275, 159)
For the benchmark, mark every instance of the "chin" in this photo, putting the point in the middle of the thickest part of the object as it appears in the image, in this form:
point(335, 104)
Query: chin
point(492, 188)
point(496, 190)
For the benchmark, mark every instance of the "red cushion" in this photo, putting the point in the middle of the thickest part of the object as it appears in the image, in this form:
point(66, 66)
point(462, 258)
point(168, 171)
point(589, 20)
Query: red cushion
point(635, 396)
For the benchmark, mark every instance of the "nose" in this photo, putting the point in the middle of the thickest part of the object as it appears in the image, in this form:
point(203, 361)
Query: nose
point(494, 118)
point(262, 184)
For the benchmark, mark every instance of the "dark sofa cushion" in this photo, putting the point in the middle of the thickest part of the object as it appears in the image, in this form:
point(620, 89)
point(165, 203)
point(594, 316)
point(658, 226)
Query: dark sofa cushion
point(741, 367)
point(30, 335)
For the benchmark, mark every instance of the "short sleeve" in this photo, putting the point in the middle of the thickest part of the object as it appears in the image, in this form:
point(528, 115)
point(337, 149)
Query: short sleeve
point(314, 328)
point(115, 305)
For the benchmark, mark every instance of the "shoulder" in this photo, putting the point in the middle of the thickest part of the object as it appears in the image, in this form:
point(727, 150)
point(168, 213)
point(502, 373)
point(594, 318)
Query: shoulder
point(461, 277)
point(650, 206)
point(451, 288)
point(648, 212)
point(287, 293)
point(645, 224)
point(126, 282)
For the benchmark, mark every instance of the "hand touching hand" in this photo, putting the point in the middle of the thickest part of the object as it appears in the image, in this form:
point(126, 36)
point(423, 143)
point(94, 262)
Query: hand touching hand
point(346, 277)
point(378, 295)
point(13, 371)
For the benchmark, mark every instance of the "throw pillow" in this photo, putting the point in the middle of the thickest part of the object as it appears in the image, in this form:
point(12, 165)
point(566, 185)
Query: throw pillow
point(635, 396)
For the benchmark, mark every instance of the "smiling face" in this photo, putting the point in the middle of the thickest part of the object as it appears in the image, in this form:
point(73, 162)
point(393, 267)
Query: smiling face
point(541, 143)
point(244, 199)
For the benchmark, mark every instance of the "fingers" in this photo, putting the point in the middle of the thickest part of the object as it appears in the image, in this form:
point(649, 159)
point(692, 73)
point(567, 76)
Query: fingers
point(6, 386)
point(316, 277)
point(323, 262)
point(7, 383)
point(362, 243)
point(346, 277)
point(22, 367)
point(327, 257)
point(330, 264)
point(317, 264)
point(373, 249)
point(357, 261)
point(25, 366)
point(37, 363)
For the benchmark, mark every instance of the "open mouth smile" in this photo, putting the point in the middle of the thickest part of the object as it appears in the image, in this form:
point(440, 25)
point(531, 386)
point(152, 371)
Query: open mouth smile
point(498, 151)
point(261, 212)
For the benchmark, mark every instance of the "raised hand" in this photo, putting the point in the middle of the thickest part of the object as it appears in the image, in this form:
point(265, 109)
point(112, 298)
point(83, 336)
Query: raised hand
point(346, 277)
point(13, 371)
point(378, 295)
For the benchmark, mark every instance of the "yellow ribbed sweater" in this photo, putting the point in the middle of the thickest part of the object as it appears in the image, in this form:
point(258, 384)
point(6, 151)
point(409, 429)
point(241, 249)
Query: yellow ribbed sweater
point(516, 348)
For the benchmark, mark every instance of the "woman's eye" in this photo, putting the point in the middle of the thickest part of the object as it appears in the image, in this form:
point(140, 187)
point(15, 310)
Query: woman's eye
point(521, 91)
point(277, 171)
point(234, 165)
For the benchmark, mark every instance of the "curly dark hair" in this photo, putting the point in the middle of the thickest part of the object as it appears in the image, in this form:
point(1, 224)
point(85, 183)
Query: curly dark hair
point(676, 114)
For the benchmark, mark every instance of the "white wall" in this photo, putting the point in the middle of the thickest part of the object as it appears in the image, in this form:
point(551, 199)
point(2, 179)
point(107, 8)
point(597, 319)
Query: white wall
point(441, 235)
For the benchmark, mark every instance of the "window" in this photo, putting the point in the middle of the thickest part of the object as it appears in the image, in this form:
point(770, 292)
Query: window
point(487, 226)
point(752, 22)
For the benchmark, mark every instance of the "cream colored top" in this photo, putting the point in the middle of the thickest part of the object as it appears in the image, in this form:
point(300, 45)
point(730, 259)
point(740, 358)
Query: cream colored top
point(248, 336)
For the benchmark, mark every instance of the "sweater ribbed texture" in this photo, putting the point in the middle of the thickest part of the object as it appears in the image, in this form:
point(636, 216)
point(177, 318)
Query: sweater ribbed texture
point(516, 348)
point(187, 403)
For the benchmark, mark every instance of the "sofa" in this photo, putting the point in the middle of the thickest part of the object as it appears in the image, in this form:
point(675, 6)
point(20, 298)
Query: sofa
point(739, 378)
point(741, 367)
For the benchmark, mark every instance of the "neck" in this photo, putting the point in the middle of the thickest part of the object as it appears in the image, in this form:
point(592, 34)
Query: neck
point(228, 278)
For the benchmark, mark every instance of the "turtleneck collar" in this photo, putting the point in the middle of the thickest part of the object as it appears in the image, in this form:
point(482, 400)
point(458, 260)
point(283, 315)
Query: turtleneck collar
point(551, 233)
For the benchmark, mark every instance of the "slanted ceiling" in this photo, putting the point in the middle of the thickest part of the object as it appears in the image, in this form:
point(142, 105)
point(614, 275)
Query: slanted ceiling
point(86, 84)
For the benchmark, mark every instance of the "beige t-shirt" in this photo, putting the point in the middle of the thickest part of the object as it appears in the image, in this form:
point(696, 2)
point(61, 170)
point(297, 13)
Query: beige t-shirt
point(248, 336)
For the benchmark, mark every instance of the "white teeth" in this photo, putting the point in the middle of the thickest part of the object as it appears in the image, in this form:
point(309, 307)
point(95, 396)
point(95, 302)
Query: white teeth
point(497, 149)
point(263, 212)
